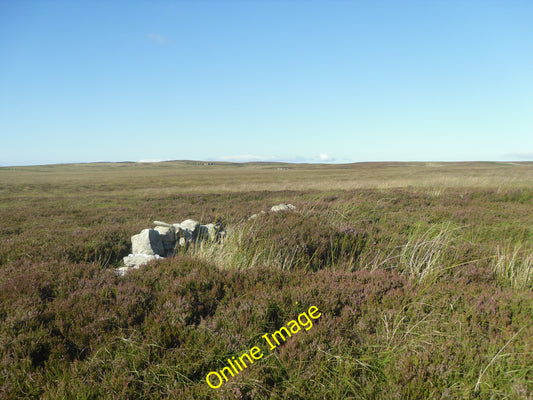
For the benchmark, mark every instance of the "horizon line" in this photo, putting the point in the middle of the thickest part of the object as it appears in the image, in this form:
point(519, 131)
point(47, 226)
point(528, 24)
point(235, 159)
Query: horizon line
point(214, 162)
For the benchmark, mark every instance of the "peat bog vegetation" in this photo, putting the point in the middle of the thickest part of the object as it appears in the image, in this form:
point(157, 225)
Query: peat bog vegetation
point(422, 273)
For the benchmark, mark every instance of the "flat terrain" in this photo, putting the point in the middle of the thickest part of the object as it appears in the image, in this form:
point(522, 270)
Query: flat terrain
point(422, 273)
point(196, 177)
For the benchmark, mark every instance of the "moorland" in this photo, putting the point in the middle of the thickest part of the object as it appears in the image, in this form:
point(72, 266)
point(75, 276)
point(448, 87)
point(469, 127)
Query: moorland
point(422, 274)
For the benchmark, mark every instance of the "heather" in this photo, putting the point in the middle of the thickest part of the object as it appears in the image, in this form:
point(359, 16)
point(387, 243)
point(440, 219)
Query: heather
point(423, 274)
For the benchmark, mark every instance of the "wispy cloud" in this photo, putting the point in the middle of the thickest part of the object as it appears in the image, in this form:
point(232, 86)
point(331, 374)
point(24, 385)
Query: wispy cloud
point(149, 161)
point(324, 157)
point(526, 156)
point(255, 158)
point(241, 158)
point(157, 39)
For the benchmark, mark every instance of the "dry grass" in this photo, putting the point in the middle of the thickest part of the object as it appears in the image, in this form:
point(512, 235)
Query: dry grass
point(189, 177)
point(426, 256)
point(513, 266)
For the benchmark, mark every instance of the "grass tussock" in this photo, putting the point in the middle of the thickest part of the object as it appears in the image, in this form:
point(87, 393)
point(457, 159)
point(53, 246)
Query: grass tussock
point(425, 290)
point(428, 254)
point(514, 266)
point(285, 240)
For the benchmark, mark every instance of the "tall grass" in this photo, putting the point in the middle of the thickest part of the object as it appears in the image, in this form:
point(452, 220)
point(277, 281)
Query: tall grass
point(232, 251)
point(514, 267)
point(285, 240)
point(428, 254)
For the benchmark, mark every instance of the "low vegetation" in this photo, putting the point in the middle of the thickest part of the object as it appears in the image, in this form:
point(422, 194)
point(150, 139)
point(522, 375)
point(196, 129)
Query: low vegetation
point(423, 274)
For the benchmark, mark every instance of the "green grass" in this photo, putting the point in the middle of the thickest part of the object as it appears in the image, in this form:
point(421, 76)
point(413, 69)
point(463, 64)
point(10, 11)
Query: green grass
point(422, 272)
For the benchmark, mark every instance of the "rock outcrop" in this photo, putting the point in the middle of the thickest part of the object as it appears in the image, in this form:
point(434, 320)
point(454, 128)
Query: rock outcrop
point(187, 231)
point(147, 242)
point(168, 239)
point(162, 241)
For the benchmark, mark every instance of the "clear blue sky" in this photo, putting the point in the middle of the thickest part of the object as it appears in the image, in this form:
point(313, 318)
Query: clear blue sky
point(332, 81)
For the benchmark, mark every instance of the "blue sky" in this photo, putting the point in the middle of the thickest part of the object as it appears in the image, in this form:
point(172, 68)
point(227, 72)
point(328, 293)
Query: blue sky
point(293, 80)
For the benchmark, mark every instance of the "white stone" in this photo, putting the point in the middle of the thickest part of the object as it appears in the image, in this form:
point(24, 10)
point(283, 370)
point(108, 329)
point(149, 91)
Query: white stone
point(136, 260)
point(282, 207)
point(147, 242)
point(187, 230)
point(190, 224)
point(168, 238)
point(167, 233)
point(161, 223)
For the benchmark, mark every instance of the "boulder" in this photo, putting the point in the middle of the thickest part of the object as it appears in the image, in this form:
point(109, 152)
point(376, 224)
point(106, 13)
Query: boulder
point(187, 231)
point(136, 260)
point(209, 232)
point(168, 234)
point(190, 224)
point(160, 223)
point(155, 244)
point(282, 207)
point(147, 242)
point(168, 238)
